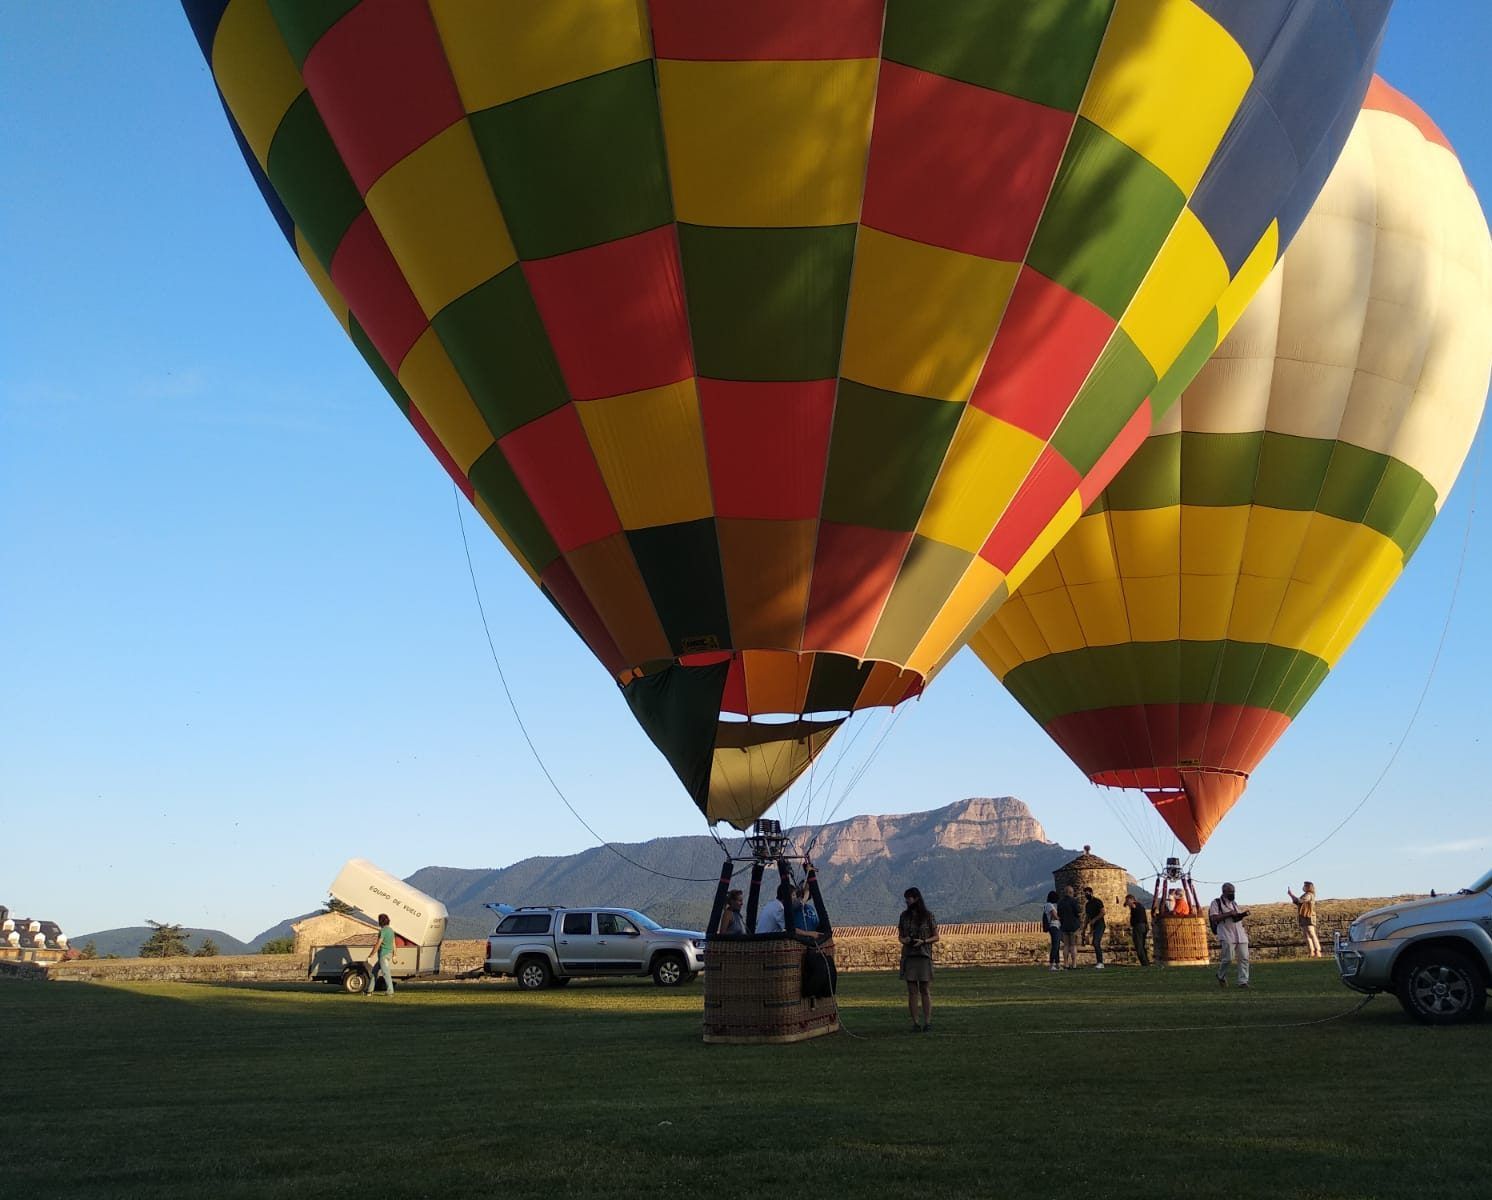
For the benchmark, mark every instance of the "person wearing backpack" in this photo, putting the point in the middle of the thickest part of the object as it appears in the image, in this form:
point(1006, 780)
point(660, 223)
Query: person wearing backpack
point(1051, 925)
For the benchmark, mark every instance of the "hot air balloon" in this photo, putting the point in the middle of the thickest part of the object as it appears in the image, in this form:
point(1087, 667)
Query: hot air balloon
point(771, 337)
point(1183, 623)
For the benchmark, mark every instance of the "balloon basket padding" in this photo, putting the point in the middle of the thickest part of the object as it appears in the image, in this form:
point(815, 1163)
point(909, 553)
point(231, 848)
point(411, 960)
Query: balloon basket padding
point(754, 993)
point(1181, 941)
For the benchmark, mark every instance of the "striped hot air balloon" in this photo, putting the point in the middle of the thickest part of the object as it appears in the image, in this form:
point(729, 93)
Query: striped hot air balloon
point(1186, 619)
point(772, 336)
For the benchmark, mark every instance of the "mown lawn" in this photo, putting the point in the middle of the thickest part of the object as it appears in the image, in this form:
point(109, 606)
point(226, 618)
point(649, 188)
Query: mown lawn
point(1085, 1084)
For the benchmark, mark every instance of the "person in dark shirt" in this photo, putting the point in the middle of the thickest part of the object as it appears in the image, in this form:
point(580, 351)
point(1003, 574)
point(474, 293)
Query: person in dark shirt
point(1139, 929)
point(1093, 923)
point(1069, 921)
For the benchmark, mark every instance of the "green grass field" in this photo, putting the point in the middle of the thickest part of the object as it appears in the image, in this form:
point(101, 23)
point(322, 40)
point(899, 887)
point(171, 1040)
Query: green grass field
point(1084, 1084)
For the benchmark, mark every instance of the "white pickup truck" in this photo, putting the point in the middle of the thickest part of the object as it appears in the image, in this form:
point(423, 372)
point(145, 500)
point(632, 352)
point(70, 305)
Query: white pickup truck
point(418, 922)
point(543, 947)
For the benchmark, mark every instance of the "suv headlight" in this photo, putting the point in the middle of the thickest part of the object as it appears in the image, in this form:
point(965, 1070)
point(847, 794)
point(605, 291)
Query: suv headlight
point(1372, 927)
point(698, 944)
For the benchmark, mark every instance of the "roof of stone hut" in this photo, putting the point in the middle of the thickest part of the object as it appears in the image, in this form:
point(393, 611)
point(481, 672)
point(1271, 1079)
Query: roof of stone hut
point(1088, 861)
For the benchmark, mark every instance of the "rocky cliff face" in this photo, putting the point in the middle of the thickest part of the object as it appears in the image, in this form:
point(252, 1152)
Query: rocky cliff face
point(979, 823)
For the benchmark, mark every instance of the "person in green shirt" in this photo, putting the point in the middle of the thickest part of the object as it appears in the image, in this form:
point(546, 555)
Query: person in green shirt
point(385, 953)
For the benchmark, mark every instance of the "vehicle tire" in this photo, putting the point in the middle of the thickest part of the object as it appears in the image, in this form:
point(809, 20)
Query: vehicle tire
point(1440, 985)
point(355, 981)
point(533, 974)
point(669, 970)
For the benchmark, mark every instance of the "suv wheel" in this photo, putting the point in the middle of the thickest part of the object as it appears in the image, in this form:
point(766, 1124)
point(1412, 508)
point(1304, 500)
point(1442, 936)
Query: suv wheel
point(534, 974)
point(669, 970)
point(1441, 986)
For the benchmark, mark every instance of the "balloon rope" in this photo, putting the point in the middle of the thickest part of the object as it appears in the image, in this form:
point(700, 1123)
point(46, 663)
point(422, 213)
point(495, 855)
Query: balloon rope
point(1424, 691)
point(517, 716)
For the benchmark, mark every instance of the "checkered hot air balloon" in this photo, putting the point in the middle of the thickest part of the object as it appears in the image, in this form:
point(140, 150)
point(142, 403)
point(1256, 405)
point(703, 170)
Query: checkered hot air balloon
point(1185, 620)
point(772, 337)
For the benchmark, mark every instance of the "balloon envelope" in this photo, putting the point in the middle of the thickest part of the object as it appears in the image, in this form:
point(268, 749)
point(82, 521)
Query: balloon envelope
point(1187, 618)
point(772, 337)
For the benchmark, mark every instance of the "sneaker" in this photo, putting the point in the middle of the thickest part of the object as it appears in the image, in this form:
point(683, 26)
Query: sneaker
point(1099, 967)
point(1243, 985)
point(1221, 982)
point(927, 1028)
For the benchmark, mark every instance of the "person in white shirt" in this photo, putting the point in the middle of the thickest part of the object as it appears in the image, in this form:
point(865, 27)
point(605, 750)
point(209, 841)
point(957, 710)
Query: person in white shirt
point(1226, 919)
point(773, 916)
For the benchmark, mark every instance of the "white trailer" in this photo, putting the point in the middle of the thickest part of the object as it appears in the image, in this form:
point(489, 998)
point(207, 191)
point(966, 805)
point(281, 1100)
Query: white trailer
point(416, 919)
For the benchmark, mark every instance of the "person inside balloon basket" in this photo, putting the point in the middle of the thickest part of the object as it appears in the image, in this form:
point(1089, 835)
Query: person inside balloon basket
point(1094, 924)
point(732, 922)
point(1069, 921)
point(1176, 904)
point(917, 930)
point(805, 913)
point(1139, 929)
point(773, 916)
point(1226, 919)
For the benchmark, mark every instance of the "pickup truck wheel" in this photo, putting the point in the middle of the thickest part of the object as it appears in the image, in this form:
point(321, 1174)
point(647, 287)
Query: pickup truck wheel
point(534, 975)
point(354, 981)
point(1441, 986)
point(669, 970)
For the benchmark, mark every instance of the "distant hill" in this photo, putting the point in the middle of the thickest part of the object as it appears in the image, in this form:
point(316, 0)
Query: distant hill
point(127, 942)
point(979, 859)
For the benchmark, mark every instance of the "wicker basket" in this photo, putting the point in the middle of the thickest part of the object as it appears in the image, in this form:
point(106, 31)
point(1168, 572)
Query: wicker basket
point(754, 992)
point(1181, 941)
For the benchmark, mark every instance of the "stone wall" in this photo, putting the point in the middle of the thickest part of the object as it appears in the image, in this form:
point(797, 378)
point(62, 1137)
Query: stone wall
point(1273, 934)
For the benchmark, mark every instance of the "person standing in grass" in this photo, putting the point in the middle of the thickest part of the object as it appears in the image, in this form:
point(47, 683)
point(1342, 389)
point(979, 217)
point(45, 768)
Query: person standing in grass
point(1069, 921)
point(1139, 928)
point(1094, 924)
point(384, 953)
point(917, 930)
point(1305, 916)
point(1226, 919)
point(1052, 924)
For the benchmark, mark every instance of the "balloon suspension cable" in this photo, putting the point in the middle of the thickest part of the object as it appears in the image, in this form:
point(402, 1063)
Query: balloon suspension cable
point(1419, 704)
point(888, 723)
point(522, 728)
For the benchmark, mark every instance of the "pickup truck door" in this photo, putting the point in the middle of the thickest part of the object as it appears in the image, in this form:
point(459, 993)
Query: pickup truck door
point(577, 945)
point(620, 943)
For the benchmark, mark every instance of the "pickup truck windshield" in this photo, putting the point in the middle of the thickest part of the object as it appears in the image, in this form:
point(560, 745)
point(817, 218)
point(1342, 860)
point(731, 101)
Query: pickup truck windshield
point(1482, 884)
point(645, 922)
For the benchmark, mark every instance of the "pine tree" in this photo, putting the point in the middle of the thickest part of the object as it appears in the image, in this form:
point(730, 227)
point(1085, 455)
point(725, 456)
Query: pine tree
point(208, 949)
point(165, 941)
point(332, 905)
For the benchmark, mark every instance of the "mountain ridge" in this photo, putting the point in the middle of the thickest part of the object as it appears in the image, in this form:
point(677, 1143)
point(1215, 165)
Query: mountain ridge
point(978, 859)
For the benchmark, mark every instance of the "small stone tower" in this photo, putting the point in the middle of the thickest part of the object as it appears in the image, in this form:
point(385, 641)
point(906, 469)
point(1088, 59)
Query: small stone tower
point(1109, 883)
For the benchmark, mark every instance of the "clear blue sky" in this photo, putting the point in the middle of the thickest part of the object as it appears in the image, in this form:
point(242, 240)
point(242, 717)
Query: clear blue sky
point(238, 643)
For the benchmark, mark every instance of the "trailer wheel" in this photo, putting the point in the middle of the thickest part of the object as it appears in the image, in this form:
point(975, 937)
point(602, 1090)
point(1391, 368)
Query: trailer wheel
point(354, 981)
point(534, 974)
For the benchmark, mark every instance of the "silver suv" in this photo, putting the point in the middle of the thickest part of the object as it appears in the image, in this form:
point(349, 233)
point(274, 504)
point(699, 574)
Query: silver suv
point(1435, 954)
point(541, 947)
